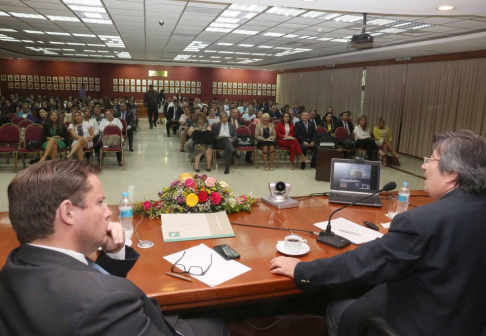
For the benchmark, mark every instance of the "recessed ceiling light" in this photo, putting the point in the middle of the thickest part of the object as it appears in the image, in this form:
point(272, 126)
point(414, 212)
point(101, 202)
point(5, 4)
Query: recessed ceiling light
point(380, 22)
point(223, 25)
point(8, 30)
point(94, 15)
point(340, 40)
point(33, 32)
point(445, 8)
point(62, 18)
point(97, 21)
point(349, 18)
point(324, 39)
point(69, 49)
point(3, 14)
point(58, 33)
point(242, 53)
point(210, 51)
point(227, 20)
point(96, 45)
point(84, 35)
point(86, 9)
point(230, 14)
point(225, 44)
point(285, 11)
point(218, 30)
point(28, 16)
point(248, 8)
point(56, 42)
point(320, 15)
point(246, 45)
point(71, 43)
point(245, 32)
point(181, 57)
point(265, 47)
point(273, 34)
point(226, 52)
point(291, 36)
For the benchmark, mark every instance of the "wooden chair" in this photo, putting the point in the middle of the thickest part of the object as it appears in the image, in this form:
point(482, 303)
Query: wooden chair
point(112, 130)
point(9, 141)
point(33, 132)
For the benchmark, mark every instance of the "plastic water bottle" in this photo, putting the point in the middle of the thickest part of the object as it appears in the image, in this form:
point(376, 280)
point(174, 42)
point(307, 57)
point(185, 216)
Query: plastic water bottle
point(125, 215)
point(403, 198)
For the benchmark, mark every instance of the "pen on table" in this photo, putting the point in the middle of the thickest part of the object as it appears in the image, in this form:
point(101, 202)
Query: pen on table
point(350, 232)
point(178, 276)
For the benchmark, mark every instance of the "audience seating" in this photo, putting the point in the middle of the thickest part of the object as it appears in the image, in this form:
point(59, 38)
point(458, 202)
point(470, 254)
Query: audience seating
point(24, 123)
point(9, 141)
point(11, 116)
point(341, 133)
point(110, 130)
point(243, 130)
point(16, 120)
point(33, 132)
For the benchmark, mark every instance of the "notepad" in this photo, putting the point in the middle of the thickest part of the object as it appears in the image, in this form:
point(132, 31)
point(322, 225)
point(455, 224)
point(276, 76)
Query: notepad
point(355, 233)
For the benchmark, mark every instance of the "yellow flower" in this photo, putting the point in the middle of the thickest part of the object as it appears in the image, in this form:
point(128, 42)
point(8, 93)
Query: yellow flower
point(185, 176)
point(223, 184)
point(191, 200)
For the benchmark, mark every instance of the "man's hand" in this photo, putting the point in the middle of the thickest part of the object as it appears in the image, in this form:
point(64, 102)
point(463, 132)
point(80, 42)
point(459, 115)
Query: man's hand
point(115, 238)
point(311, 144)
point(306, 144)
point(284, 266)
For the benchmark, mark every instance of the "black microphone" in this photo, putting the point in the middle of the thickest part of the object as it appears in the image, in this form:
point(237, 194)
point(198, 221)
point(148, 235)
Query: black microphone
point(329, 238)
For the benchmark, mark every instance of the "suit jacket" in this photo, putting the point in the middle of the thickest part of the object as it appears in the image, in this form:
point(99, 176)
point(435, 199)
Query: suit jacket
point(316, 121)
point(173, 113)
point(340, 123)
point(432, 262)
point(305, 135)
point(259, 132)
point(217, 128)
point(240, 121)
point(280, 129)
point(129, 118)
point(45, 292)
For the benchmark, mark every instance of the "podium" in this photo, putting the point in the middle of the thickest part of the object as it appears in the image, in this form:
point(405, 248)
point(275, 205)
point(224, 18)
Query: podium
point(323, 164)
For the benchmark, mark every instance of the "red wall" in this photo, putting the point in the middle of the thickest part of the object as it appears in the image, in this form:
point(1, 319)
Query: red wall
point(107, 72)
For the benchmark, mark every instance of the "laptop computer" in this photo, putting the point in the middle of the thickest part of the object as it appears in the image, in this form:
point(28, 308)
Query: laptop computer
point(351, 181)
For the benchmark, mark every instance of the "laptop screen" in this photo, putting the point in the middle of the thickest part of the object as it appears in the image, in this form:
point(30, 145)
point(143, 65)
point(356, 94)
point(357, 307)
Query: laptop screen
point(347, 175)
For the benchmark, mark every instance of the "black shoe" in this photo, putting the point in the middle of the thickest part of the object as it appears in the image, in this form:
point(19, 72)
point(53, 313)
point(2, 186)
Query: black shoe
point(248, 161)
point(119, 163)
point(155, 125)
point(131, 150)
point(236, 155)
point(151, 127)
point(302, 165)
point(226, 170)
point(168, 135)
point(208, 169)
point(197, 170)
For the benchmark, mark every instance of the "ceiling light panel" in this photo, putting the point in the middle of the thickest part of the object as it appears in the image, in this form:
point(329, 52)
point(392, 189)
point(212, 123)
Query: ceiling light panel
point(225, 44)
point(33, 32)
point(62, 18)
point(84, 35)
point(223, 25)
point(3, 14)
point(99, 21)
point(247, 8)
point(196, 46)
point(245, 32)
point(218, 30)
point(412, 25)
point(349, 18)
point(246, 45)
point(28, 16)
point(391, 31)
point(8, 30)
point(273, 34)
point(45, 51)
point(58, 33)
point(291, 36)
point(380, 22)
point(320, 15)
point(292, 12)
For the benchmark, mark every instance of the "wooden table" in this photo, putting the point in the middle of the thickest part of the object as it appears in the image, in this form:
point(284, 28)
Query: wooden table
point(256, 246)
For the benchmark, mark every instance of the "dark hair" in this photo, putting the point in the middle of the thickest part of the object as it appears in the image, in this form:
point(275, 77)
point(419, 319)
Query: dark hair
point(43, 187)
point(290, 118)
point(59, 124)
point(456, 157)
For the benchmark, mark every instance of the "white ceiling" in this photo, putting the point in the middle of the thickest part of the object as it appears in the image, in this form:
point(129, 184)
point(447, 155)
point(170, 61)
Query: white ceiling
point(135, 35)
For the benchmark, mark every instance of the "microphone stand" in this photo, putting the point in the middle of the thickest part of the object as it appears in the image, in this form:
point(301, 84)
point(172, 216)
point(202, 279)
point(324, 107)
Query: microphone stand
point(330, 238)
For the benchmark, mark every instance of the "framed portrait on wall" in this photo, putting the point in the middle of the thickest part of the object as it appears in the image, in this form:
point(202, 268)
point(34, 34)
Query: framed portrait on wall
point(273, 93)
point(79, 80)
point(274, 87)
point(4, 78)
point(67, 80)
point(91, 87)
point(151, 82)
point(132, 82)
point(10, 78)
point(171, 89)
point(144, 89)
point(225, 91)
point(225, 85)
point(259, 86)
point(245, 92)
point(36, 79)
point(144, 82)
point(171, 83)
point(68, 87)
point(245, 86)
point(85, 80)
point(188, 84)
point(215, 91)
point(49, 80)
point(17, 78)
point(139, 82)
point(97, 88)
point(254, 92)
point(215, 84)
point(240, 85)
point(30, 78)
point(132, 88)
point(61, 87)
point(127, 88)
point(254, 86)
point(240, 92)
point(193, 90)
point(55, 87)
point(10, 85)
point(198, 90)
point(30, 86)
point(23, 78)
point(36, 86)
point(54, 79)
point(230, 91)
point(115, 82)
point(91, 80)
point(139, 89)
point(120, 88)
point(220, 85)
point(264, 86)
point(230, 85)
point(166, 83)
point(73, 80)
point(120, 82)
point(79, 87)
point(198, 84)
point(61, 80)
point(259, 92)
point(24, 86)
point(177, 83)
point(127, 82)
point(161, 82)
point(183, 89)
point(17, 85)
point(115, 88)
point(220, 91)
point(49, 86)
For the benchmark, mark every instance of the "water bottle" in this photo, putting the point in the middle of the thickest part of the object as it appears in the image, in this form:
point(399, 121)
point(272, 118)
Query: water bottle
point(125, 215)
point(403, 198)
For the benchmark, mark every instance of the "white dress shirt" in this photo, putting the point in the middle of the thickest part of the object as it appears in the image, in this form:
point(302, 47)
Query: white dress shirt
point(224, 131)
point(120, 255)
point(360, 134)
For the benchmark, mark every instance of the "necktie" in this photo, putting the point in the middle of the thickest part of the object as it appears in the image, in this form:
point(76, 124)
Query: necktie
point(346, 125)
point(96, 266)
point(235, 122)
point(306, 127)
point(123, 115)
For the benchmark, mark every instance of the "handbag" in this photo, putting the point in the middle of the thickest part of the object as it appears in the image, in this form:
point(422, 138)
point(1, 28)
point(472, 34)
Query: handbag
point(112, 140)
point(32, 145)
point(348, 142)
point(203, 137)
point(245, 140)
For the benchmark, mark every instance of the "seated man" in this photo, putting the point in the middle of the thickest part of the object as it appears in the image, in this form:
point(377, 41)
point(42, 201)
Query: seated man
point(48, 286)
point(345, 123)
point(305, 132)
point(172, 116)
point(235, 118)
point(110, 120)
point(226, 139)
point(428, 271)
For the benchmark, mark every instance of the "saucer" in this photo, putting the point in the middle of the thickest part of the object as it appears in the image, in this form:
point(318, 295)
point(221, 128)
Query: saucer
point(281, 249)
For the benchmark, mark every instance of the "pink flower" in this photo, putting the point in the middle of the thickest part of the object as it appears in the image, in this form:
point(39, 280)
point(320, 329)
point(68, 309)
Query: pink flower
point(215, 198)
point(210, 182)
point(241, 199)
point(147, 205)
point(190, 183)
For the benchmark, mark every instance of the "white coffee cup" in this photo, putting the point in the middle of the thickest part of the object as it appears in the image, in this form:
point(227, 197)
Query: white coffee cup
point(294, 243)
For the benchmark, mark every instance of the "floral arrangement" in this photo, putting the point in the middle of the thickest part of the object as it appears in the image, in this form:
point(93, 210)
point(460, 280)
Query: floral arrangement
point(194, 194)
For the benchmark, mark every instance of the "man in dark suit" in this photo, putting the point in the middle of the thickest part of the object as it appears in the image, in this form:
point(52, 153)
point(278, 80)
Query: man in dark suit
point(226, 139)
point(315, 118)
point(172, 116)
point(344, 122)
point(236, 120)
point(151, 102)
point(305, 133)
point(129, 119)
point(48, 286)
point(428, 272)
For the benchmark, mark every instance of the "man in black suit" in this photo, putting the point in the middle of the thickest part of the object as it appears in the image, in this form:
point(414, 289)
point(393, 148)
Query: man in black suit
point(48, 286)
point(129, 119)
point(151, 102)
point(297, 109)
point(428, 272)
point(344, 122)
point(235, 118)
point(315, 118)
point(305, 133)
point(226, 139)
point(172, 116)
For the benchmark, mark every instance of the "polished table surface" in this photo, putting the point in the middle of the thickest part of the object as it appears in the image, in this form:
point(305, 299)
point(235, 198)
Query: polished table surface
point(256, 247)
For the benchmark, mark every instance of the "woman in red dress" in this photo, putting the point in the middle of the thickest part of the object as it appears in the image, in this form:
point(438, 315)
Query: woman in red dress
point(286, 139)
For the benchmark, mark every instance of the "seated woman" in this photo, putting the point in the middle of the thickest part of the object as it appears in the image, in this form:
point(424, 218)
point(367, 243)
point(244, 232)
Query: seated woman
point(42, 117)
point(213, 118)
point(258, 118)
point(265, 135)
point(383, 137)
point(328, 123)
point(89, 118)
point(199, 148)
point(184, 122)
point(55, 133)
point(83, 135)
point(286, 139)
point(364, 140)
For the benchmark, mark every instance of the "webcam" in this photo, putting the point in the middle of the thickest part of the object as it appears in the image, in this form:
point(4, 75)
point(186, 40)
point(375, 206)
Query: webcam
point(279, 196)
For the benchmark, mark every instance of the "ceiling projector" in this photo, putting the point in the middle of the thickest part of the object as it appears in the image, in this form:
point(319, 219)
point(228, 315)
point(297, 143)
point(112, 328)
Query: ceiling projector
point(363, 37)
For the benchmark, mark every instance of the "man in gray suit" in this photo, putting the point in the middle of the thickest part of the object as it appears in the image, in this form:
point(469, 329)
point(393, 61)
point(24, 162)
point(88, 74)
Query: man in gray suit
point(48, 286)
point(226, 139)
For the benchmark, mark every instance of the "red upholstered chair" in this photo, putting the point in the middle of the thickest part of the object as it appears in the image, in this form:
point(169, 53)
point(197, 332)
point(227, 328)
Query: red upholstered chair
point(252, 128)
point(9, 141)
point(112, 130)
point(24, 123)
point(243, 130)
point(340, 134)
point(16, 120)
point(124, 130)
point(321, 130)
point(11, 116)
point(247, 123)
point(33, 132)
point(62, 116)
